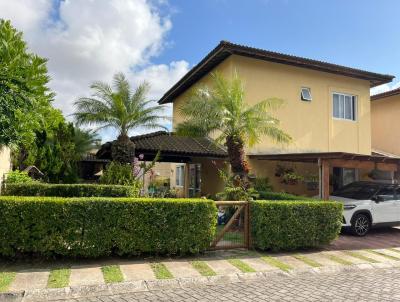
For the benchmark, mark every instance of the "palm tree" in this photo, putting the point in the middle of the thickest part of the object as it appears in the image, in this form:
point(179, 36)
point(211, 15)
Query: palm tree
point(85, 141)
point(121, 108)
point(222, 112)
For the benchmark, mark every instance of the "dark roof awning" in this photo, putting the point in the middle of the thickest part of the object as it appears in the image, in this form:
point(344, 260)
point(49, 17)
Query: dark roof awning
point(385, 94)
point(314, 157)
point(225, 49)
point(172, 148)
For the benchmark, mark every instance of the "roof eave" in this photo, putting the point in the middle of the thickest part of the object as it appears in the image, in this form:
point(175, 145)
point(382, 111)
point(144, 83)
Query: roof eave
point(225, 49)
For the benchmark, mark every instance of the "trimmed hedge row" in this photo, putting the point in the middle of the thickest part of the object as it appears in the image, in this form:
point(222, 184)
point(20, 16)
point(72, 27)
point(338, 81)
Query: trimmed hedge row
point(93, 227)
point(288, 225)
point(70, 190)
point(267, 195)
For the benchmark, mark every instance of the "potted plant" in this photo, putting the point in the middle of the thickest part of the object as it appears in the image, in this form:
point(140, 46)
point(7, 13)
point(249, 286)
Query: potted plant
point(291, 178)
point(312, 181)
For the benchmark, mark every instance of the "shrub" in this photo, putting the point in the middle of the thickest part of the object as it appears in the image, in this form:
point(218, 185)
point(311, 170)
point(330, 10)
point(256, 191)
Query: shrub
point(267, 195)
point(18, 177)
point(94, 227)
point(70, 190)
point(283, 225)
point(118, 174)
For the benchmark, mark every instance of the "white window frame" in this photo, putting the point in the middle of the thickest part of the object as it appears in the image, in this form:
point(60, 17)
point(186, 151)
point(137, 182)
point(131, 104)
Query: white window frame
point(302, 96)
point(180, 176)
point(353, 108)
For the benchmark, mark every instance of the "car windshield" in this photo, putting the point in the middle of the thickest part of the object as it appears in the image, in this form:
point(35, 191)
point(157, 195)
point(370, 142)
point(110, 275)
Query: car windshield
point(359, 191)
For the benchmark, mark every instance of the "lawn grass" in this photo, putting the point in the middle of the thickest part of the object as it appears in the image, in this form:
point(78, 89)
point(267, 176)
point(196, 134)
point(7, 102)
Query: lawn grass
point(339, 260)
point(203, 268)
point(275, 262)
point(112, 274)
point(244, 267)
point(161, 271)
point(235, 237)
point(6, 278)
point(390, 257)
point(59, 278)
point(307, 260)
point(361, 256)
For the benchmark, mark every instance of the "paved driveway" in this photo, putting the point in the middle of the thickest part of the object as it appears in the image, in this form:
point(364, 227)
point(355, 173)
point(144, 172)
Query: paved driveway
point(381, 285)
point(377, 239)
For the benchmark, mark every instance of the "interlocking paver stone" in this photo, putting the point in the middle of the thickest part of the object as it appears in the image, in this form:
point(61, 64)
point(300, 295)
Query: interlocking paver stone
point(137, 271)
point(86, 275)
point(376, 285)
point(30, 279)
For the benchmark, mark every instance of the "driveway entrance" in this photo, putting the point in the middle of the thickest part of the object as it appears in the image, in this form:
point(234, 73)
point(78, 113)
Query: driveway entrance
point(382, 238)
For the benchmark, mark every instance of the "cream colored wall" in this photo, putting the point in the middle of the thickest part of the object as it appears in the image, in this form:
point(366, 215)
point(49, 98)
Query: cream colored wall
point(225, 69)
point(5, 162)
point(310, 124)
point(385, 123)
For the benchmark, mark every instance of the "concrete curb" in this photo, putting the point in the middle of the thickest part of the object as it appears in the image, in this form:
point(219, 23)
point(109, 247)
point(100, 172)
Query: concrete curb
point(154, 285)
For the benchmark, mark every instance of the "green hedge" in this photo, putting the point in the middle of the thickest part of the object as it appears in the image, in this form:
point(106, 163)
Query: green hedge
point(288, 225)
point(70, 190)
point(93, 227)
point(267, 195)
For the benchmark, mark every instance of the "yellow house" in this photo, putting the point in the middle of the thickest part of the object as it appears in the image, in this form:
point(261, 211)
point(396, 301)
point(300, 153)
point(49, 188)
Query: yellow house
point(385, 112)
point(327, 112)
point(5, 163)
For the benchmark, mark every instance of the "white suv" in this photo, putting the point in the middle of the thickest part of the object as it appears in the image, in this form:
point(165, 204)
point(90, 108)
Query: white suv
point(369, 204)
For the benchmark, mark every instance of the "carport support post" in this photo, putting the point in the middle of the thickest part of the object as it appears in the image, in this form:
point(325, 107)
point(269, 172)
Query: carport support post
point(323, 179)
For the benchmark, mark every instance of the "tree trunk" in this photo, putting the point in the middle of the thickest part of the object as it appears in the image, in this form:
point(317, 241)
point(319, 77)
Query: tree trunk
point(123, 150)
point(236, 156)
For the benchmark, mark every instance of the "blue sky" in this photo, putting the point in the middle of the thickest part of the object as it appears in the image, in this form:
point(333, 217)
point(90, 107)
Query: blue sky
point(160, 40)
point(357, 33)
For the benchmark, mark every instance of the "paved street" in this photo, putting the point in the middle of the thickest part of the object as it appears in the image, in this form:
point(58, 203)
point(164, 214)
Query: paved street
point(363, 285)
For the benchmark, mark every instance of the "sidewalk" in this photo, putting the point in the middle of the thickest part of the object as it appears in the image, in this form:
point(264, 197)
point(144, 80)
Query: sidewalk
point(78, 279)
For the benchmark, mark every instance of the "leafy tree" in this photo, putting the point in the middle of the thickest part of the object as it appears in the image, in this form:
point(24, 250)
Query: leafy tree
point(23, 90)
point(121, 108)
point(222, 111)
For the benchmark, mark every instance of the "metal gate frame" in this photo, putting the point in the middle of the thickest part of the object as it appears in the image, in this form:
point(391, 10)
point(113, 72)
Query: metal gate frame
point(243, 209)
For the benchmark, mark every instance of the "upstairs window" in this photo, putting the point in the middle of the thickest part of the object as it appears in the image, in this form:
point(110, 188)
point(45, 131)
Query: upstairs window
point(306, 94)
point(344, 106)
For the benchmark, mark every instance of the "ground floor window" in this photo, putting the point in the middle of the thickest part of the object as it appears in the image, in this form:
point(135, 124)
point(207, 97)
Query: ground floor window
point(343, 176)
point(180, 176)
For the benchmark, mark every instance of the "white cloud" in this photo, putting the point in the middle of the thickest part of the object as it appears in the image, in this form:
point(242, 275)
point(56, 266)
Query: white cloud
point(384, 88)
point(91, 40)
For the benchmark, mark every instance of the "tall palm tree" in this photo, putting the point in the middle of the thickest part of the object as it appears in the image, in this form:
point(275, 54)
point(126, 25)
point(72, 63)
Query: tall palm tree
point(121, 108)
point(222, 112)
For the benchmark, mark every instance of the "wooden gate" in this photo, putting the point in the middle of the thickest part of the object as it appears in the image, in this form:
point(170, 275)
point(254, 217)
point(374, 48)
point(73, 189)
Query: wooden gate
point(233, 226)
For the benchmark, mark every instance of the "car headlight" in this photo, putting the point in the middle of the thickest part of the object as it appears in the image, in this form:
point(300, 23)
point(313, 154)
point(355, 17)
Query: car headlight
point(349, 206)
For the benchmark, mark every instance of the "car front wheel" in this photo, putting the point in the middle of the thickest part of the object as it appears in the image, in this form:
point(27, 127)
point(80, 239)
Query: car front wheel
point(360, 225)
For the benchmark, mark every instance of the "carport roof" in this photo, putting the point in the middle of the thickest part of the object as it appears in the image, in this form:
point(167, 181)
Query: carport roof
point(315, 156)
point(172, 147)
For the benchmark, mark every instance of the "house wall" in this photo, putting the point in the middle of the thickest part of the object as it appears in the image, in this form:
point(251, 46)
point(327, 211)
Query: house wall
point(5, 162)
point(385, 121)
point(310, 124)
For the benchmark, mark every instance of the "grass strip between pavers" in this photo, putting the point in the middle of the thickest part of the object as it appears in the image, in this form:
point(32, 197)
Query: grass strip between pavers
point(390, 257)
point(244, 267)
point(112, 274)
point(361, 256)
point(307, 260)
point(59, 278)
point(275, 262)
point(161, 271)
point(203, 268)
point(339, 260)
point(394, 250)
point(6, 278)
